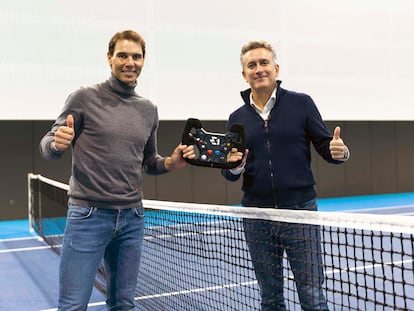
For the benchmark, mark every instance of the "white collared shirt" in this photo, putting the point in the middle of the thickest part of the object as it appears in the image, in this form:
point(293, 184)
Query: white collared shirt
point(264, 113)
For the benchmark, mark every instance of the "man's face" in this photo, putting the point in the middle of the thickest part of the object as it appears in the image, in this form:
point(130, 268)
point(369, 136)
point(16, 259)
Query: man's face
point(260, 69)
point(127, 61)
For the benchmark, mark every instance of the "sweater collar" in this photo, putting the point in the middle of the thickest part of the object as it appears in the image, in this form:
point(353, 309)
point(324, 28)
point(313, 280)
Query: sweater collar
point(120, 87)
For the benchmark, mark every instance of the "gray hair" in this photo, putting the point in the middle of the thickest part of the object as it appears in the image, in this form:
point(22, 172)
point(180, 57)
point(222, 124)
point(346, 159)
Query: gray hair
point(251, 45)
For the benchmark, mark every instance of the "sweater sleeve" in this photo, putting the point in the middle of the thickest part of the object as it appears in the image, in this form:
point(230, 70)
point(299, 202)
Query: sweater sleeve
point(153, 162)
point(318, 132)
point(47, 149)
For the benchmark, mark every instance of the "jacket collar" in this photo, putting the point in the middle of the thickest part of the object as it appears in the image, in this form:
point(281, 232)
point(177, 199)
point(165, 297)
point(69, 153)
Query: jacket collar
point(246, 93)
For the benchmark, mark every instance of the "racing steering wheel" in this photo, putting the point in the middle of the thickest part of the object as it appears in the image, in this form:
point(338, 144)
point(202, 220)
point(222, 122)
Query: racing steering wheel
point(212, 148)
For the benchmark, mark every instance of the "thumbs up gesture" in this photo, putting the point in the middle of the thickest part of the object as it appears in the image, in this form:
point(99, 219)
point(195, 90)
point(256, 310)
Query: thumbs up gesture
point(65, 134)
point(337, 147)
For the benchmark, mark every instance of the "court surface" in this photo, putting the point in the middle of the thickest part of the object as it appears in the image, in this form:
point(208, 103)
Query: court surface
point(29, 268)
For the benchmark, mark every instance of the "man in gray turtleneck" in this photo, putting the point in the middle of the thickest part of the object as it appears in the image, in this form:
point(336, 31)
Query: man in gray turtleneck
point(112, 131)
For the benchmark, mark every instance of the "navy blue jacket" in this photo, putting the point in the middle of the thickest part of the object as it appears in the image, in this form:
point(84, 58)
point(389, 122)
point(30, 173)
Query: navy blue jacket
point(278, 167)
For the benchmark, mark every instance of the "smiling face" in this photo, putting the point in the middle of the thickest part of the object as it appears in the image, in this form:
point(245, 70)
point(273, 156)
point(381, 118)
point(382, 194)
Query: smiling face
point(126, 61)
point(260, 69)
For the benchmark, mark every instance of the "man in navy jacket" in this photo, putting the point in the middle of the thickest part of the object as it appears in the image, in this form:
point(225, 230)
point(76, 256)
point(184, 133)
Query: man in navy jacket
point(279, 126)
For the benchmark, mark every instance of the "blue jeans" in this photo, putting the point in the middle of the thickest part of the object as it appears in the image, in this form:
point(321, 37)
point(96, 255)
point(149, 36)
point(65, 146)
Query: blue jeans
point(93, 234)
point(267, 241)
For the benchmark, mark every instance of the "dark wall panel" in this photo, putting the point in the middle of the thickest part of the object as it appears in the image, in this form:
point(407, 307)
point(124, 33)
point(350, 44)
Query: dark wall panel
point(16, 160)
point(233, 192)
point(330, 177)
point(405, 156)
point(358, 170)
point(383, 157)
point(381, 162)
point(173, 186)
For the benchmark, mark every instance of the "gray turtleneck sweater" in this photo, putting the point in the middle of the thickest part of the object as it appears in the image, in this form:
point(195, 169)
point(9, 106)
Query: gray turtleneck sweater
point(115, 141)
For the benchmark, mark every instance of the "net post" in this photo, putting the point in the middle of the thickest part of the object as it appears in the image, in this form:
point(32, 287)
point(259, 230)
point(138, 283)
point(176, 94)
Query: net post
point(30, 176)
point(32, 204)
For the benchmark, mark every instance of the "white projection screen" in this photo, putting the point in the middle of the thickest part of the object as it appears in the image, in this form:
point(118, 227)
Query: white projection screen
point(354, 57)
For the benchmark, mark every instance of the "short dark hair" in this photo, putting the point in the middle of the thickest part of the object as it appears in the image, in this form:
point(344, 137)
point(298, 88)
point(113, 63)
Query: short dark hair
point(251, 45)
point(126, 35)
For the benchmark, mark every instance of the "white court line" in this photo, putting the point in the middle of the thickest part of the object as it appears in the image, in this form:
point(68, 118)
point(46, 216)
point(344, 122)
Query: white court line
point(26, 249)
point(94, 304)
point(219, 287)
point(373, 266)
point(182, 292)
point(20, 239)
point(391, 209)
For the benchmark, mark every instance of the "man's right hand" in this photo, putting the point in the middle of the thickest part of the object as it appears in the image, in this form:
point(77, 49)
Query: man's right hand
point(65, 134)
point(234, 155)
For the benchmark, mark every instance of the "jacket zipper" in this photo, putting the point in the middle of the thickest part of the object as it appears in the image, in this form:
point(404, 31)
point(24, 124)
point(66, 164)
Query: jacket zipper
point(269, 153)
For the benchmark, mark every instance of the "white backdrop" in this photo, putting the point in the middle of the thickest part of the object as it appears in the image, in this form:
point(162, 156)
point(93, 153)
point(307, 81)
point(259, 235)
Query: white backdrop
point(354, 57)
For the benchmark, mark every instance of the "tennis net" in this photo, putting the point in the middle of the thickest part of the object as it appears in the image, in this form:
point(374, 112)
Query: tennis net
point(195, 256)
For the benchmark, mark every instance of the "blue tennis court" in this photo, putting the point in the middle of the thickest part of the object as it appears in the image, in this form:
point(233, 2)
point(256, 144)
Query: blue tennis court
point(29, 274)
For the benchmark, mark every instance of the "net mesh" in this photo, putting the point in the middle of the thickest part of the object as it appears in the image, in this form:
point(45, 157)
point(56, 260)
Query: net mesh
point(195, 256)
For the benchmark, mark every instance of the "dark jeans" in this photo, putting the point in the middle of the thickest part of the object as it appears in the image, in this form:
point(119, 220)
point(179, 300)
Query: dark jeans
point(267, 241)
